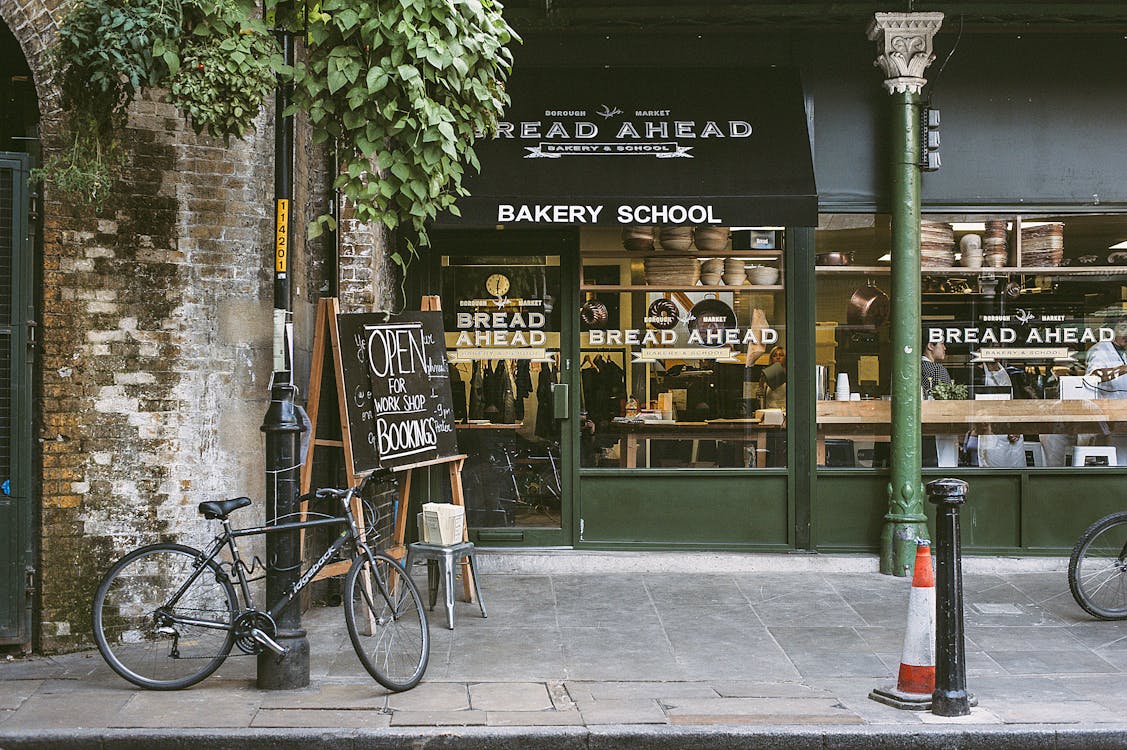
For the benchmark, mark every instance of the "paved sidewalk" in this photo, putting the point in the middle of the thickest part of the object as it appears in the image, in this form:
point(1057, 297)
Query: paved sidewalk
point(754, 658)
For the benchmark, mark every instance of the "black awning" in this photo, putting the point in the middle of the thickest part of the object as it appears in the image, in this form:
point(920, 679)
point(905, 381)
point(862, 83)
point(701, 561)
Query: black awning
point(611, 146)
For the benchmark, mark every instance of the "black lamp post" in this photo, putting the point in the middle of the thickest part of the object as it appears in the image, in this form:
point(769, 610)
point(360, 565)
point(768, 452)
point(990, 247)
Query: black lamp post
point(281, 425)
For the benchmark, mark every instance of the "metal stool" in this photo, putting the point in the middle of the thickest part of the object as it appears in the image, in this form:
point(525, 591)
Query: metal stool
point(446, 559)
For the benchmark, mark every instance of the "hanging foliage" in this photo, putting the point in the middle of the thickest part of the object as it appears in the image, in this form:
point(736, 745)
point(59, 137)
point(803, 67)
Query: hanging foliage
point(109, 51)
point(404, 87)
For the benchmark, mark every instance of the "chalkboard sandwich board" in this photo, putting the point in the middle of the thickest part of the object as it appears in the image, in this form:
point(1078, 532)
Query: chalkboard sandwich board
point(396, 389)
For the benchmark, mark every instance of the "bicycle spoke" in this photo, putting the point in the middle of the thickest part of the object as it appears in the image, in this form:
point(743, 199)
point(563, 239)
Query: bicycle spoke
point(388, 628)
point(154, 643)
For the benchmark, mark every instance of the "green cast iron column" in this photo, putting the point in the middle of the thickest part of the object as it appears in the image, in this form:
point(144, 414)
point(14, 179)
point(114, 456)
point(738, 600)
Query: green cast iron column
point(904, 51)
point(905, 517)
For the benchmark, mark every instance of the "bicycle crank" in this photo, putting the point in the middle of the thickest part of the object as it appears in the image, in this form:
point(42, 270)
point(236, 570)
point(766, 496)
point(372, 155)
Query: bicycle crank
point(255, 632)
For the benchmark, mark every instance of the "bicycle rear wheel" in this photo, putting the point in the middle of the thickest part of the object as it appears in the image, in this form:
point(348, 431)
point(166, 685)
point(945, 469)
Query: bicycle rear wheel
point(386, 621)
point(141, 630)
point(1097, 571)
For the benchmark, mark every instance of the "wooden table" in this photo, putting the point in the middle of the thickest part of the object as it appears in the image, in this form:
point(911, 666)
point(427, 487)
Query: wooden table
point(731, 430)
point(873, 419)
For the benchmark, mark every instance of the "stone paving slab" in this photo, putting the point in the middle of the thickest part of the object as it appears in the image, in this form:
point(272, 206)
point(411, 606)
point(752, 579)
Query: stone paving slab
point(438, 718)
point(621, 691)
point(329, 718)
point(760, 711)
point(157, 710)
point(622, 712)
point(432, 696)
point(510, 696)
point(328, 696)
point(534, 718)
point(14, 692)
point(63, 711)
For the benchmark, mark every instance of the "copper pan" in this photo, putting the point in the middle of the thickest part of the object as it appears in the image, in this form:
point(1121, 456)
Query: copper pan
point(869, 306)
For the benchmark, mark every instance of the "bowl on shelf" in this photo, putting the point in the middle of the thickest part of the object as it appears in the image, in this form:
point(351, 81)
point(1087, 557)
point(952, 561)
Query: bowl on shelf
point(711, 239)
point(638, 239)
point(677, 239)
point(763, 275)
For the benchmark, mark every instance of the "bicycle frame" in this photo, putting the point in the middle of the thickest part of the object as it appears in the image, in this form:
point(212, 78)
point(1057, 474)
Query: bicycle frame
point(227, 539)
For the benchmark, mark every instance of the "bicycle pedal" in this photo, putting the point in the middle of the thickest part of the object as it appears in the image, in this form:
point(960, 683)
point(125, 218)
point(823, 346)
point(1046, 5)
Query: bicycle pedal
point(272, 645)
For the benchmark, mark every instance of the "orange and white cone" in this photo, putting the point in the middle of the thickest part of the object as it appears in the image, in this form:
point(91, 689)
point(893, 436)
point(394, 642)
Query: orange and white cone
point(916, 681)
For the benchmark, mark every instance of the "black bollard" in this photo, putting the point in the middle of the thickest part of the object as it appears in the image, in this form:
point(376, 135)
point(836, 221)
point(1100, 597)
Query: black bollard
point(283, 549)
point(950, 697)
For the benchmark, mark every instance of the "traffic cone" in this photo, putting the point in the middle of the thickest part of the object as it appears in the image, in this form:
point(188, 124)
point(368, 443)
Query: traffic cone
point(916, 680)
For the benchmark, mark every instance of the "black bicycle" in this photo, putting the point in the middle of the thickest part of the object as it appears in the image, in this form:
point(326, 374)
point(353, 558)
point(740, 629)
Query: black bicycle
point(167, 615)
point(1097, 571)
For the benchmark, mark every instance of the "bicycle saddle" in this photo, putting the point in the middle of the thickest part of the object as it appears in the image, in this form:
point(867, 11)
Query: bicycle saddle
point(220, 508)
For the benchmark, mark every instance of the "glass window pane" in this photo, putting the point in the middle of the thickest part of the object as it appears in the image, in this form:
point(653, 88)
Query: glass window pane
point(852, 353)
point(1023, 335)
point(503, 337)
point(682, 361)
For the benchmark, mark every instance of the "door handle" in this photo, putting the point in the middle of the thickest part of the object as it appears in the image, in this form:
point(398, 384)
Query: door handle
point(561, 403)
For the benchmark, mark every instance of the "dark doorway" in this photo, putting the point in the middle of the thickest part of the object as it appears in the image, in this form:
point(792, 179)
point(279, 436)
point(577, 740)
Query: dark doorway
point(18, 119)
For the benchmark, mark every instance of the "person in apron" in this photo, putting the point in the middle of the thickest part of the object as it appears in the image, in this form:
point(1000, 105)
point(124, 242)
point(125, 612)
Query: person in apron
point(1000, 451)
point(1107, 361)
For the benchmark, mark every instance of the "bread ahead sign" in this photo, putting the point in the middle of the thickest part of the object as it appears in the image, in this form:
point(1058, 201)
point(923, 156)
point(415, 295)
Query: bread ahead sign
point(645, 146)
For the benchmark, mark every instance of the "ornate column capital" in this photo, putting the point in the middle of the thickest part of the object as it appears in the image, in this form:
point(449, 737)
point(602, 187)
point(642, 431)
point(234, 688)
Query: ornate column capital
point(904, 48)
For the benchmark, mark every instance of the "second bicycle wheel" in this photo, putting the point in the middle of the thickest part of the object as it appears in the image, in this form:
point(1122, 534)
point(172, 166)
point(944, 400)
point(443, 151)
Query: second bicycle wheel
point(386, 622)
point(154, 638)
point(1097, 571)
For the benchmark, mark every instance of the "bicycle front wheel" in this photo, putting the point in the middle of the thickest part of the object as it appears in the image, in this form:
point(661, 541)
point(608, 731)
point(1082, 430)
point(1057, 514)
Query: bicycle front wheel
point(386, 621)
point(164, 617)
point(1097, 571)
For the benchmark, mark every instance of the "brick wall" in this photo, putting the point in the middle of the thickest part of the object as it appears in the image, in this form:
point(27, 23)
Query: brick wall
point(155, 331)
point(156, 354)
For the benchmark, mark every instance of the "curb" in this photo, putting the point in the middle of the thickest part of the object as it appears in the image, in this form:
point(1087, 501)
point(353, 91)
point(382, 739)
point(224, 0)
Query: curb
point(649, 737)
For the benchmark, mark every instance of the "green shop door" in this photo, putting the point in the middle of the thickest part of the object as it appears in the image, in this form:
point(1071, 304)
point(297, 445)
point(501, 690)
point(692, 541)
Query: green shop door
point(505, 297)
point(15, 403)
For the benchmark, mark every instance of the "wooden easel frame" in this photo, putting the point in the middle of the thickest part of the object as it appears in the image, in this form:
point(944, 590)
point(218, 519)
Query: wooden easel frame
point(326, 333)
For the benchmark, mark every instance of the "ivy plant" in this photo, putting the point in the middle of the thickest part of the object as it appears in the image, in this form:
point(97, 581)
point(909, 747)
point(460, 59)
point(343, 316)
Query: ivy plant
point(109, 51)
point(224, 69)
point(404, 87)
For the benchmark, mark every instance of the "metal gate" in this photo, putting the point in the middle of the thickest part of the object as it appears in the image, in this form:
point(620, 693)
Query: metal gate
point(16, 512)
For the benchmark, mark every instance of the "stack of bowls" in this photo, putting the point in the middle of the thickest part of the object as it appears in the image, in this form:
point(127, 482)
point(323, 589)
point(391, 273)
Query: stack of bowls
point(712, 271)
point(671, 272)
point(677, 239)
point(712, 239)
point(734, 273)
point(638, 239)
point(994, 245)
point(1042, 245)
point(937, 244)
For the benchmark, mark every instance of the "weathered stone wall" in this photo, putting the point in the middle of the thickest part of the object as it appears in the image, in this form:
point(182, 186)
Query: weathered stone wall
point(155, 339)
point(156, 354)
point(155, 334)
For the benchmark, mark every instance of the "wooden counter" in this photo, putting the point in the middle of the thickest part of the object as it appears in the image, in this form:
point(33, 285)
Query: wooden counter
point(987, 417)
point(872, 419)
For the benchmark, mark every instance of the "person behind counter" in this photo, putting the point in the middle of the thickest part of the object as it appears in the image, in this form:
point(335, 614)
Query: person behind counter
point(1107, 361)
point(773, 381)
point(932, 371)
point(938, 450)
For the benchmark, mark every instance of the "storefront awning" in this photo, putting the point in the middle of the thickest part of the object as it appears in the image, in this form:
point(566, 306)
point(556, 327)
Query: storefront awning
point(620, 146)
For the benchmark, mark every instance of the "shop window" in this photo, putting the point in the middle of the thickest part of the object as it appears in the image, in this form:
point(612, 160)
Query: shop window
point(1024, 324)
point(682, 361)
point(502, 328)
